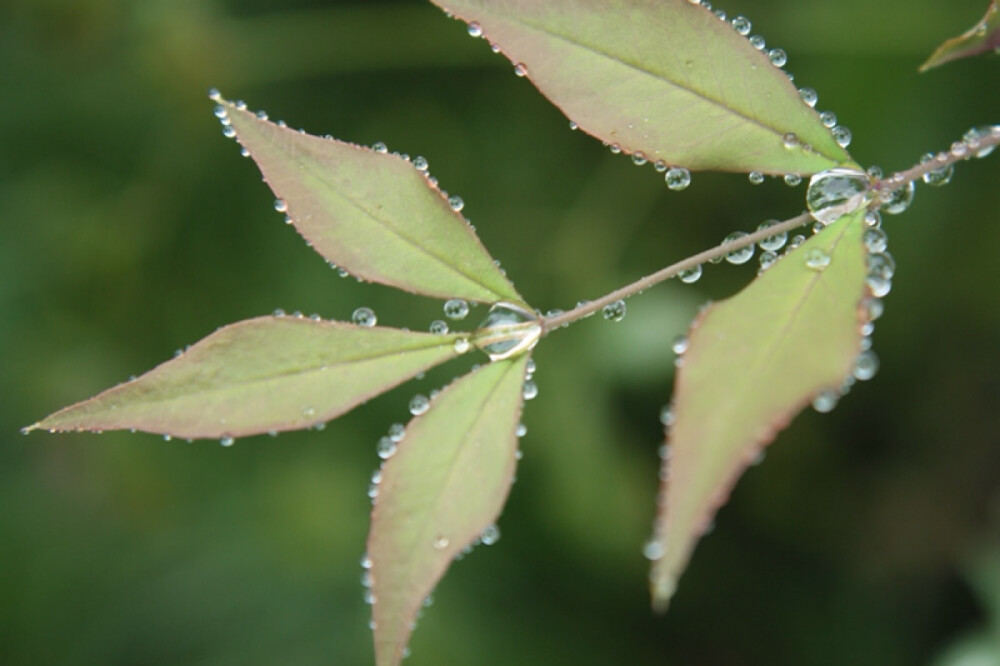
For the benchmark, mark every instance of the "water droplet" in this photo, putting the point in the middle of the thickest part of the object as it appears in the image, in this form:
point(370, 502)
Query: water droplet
point(825, 401)
point(841, 135)
point(742, 25)
point(741, 255)
point(875, 240)
point(614, 311)
point(653, 550)
point(792, 179)
point(836, 192)
point(975, 135)
point(638, 158)
point(808, 96)
point(898, 200)
point(817, 259)
point(757, 42)
point(666, 415)
point(520, 69)
point(475, 30)
point(441, 542)
point(380, 147)
point(385, 448)
point(680, 344)
point(529, 390)
point(490, 535)
point(227, 440)
point(214, 95)
point(874, 308)
point(865, 366)
point(828, 118)
point(521, 430)
point(439, 327)
point(420, 163)
point(795, 242)
point(530, 367)
point(456, 203)
point(881, 264)
point(229, 132)
point(778, 57)
point(878, 285)
point(767, 259)
point(677, 178)
point(660, 166)
point(419, 404)
point(772, 243)
point(755, 177)
point(790, 141)
point(507, 330)
point(873, 219)
point(461, 345)
point(364, 317)
point(690, 275)
point(941, 175)
point(456, 309)
point(615, 149)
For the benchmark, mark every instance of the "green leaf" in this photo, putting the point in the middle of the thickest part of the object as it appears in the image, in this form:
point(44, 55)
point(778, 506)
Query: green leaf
point(373, 214)
point(753, 361)
point(980, 38)
point(260, 375)
point(666, 78)
point(447, 482)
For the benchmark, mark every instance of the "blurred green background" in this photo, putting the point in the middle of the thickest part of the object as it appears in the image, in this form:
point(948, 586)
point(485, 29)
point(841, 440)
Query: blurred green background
point(131, 228)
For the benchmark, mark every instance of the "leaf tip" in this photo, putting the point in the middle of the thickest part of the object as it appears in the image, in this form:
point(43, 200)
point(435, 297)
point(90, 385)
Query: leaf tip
point(662, 587)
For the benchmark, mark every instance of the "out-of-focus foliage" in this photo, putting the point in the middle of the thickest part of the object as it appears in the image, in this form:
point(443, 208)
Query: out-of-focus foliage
point(130, 228)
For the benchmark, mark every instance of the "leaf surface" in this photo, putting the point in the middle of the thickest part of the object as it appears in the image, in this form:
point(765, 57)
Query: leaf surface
point(259, 375)
point(666, 78)
point(980, 38)
point(447, 482)
point(753, 361)
point(373, 214)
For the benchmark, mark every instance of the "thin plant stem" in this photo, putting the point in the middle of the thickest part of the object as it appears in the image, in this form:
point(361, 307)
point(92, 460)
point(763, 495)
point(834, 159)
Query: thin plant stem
point(959, 151)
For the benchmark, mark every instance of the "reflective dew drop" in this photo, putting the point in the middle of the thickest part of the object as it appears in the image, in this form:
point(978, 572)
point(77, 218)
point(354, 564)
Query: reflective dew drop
point(520, 69)
point(690, 275)
point(680, 344)
point(227, 440)
point(529, 390)
point(817, 259)
point(456, 309)
point(475, 30)
point(875, 240)
point(825, 401)
point(439, 327)
point(790, 141)
point(614, 311)
point(828, 118)
point(666, 416)
point(397, 431)
point(767, 259)
point(778, 57)
point(873, 219)
point(881, 264)
point(419, 404)
point(385, 448)
point(677, 178)
point(653, 550)
point(940, 176)
point(898, 200)
point(456, 203)
point(792, 179)
point(507, 330)
point(808, 96)
point(420, 163)
point(280, 205)
point(757, 42)
point(772, 243)
point(741, 255)
point(462, 345)
point(836, 192)
point(490, 535)
point(974, 137)
point(865, 366)
point(364, 317)
point(755, 177)
point(841, 135)
point(742, 25)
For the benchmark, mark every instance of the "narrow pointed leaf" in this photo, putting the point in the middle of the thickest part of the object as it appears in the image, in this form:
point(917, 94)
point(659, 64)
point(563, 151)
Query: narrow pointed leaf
point(447, 482)
point(980, 38)
point(666, 78)
point(373, 214)
point(260, 375)
point(753, 361)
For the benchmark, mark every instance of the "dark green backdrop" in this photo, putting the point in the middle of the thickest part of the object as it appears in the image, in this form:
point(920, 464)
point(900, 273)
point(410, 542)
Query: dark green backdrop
point(131, 228)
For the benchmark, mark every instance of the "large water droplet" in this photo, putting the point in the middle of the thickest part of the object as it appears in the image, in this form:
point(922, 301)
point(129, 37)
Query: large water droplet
point(881, 264)
point(419, 404)
point(386, 447)
point(757, 42)
point(817, 259)
point(828, 118)
point(841, 135)
point(507, 330)
point(475, 30)
point(778, 57)
point(689, 275)
point(836, 192)
point(677, 178)
point(456, 203)
point(755, 177)
point(865, 366)
point(490, 535)
point(898, 200)
point(808, 96)
point(456, 308)
point(614, 311)
point(875, 240)
point(364, 317)
point(742, 25)
point(740, 255)
point(775, 242)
